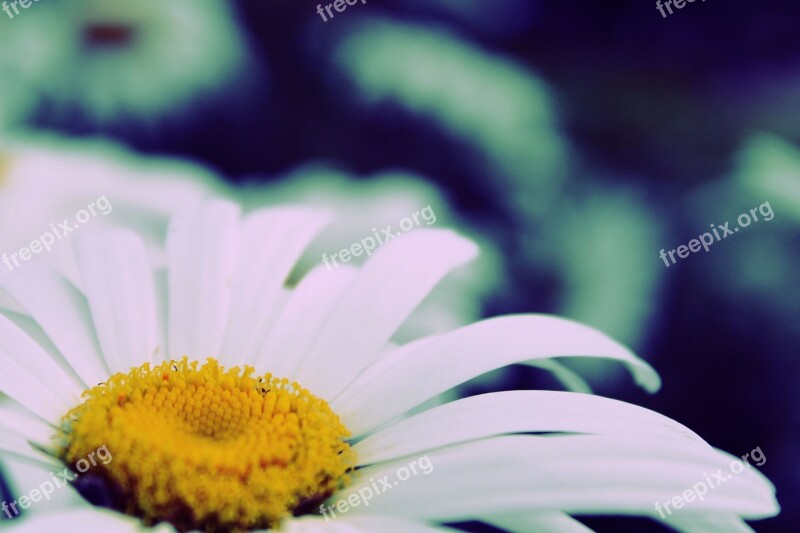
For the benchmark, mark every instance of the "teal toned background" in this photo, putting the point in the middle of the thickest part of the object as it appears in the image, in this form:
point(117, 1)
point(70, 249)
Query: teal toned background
point(580, 137)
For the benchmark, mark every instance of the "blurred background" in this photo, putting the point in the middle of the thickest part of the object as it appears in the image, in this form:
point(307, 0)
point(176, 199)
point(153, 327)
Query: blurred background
point(573, 140)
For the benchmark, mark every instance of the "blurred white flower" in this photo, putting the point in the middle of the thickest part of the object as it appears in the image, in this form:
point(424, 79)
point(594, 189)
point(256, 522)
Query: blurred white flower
point(758, 263)
point(202, 448)
point(45, 180)
point(504, 111)
point(768, 168)
point(128, 60)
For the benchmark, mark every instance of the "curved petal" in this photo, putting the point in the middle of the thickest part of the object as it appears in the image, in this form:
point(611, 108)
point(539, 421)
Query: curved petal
point(119, 285)
point(26, 427)
point(202, 247)
point(85, 520)
point(502, 413)
point(18, 344)
point(63, 313)
point(16, 446)
point(707, 523)
point(358, 524)
point(272, 242)
point(388, 288)
point(471, 351)
point(24, 475)
point(553, 522)
point(568, 377)
point(24, 387)
point(388, 357)
point(309, 305)
point(577, 474)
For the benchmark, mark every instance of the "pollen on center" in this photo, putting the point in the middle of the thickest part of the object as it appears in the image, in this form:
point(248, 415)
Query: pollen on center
point(210, 449)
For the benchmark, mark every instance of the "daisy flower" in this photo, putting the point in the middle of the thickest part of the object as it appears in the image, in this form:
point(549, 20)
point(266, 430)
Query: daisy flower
point(140, 61)
point(226, 401)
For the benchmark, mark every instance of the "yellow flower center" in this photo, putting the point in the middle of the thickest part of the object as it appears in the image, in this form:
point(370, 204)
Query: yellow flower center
point(207, 448)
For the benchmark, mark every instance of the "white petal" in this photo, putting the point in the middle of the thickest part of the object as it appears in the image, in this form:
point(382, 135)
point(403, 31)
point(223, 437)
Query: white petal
point(23, 386)
point(16, 421)
point(389, 287)
point(706, 523)
point(568, 377)
point(19, 344)
point(272, 242)
point(118, 282)
point(358, 524)
point(576, 474)
point(63, 313)
point(502, 413)
point(161, 284)
point(552, 522)
point(202, 247)
point(307, 309)
point(390, 355)
point(18, 447)
point(24, 475)
point(471, 351)
point(84, 520)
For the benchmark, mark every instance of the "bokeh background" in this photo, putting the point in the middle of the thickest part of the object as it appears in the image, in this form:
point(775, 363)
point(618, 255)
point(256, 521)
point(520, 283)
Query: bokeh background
point(574, 140)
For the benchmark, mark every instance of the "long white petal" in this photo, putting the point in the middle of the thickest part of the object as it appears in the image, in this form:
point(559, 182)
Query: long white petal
point(21, 344)
point(118, 282)
point(390, 355)
point(706, 523)
point(63, 313)
point(552, 522)
point(202, 248)
point(93, 520)
point(509, 412)
point(343, 523)
point(568, 377)
point(22, 386)
point(388, 288)
point(576, 474)
point(272, 242)
point(24, 475)
point(308, 307)
point(32, 429)
point(471, 351)
point(18, 447)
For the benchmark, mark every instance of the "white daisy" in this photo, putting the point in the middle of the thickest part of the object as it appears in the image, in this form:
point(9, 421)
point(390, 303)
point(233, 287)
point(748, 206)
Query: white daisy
point(141, 61)
point(197, 447)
